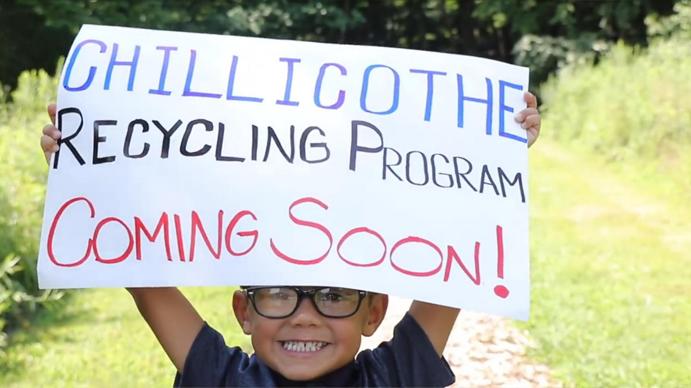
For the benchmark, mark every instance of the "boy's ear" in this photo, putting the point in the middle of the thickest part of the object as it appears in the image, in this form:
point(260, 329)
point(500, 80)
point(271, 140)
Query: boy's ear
point(241, 307)
point(377, 306)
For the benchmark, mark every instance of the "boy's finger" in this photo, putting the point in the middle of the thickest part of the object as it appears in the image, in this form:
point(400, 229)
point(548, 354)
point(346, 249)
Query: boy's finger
point(532, 121)
point(48, 144)
point(51, 131)
point(530, 99)
point(520, 116)
point(52, 108)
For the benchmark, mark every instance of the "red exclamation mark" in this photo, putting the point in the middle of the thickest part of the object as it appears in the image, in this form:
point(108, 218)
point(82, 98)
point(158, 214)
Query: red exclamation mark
point(500, 290)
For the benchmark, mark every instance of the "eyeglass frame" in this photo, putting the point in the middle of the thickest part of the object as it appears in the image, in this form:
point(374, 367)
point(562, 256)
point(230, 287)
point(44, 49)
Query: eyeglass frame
point(302, 294)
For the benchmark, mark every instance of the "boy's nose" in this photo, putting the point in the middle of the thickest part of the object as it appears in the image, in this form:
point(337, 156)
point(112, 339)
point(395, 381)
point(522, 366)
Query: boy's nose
point(306, 314)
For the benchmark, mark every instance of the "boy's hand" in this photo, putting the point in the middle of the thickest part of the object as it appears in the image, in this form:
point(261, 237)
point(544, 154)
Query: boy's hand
point(529, 118)
point(51, 135)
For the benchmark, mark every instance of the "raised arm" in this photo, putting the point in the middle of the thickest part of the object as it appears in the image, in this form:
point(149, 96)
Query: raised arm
point(436, 321)
point(170, 315)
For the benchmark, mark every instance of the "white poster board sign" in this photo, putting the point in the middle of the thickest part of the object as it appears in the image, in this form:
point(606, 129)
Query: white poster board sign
point(195, 159)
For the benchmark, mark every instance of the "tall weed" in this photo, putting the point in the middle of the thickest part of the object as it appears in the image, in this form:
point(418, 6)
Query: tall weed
point(632, 107)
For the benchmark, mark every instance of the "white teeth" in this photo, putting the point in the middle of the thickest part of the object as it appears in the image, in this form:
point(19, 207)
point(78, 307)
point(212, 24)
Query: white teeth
point(303, 346)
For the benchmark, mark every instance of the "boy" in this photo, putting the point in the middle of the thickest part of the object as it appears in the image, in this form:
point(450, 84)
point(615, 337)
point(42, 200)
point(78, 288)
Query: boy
point(298, 342)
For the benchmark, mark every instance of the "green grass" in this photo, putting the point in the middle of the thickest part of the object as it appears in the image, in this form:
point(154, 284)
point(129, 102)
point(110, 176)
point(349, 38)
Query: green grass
point(611, 271)
point(98, 339)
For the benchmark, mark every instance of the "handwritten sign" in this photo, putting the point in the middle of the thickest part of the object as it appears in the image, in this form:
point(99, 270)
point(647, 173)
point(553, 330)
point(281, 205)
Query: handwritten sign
point(194, 159)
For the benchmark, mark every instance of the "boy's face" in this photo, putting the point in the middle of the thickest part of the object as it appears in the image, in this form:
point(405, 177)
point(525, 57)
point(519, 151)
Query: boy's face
point(306, 344)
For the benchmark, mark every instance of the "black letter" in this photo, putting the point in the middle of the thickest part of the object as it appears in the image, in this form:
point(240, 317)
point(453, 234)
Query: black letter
point(354, 147)
point(101, 139)
point(424, 168)
point(274, 137)
point(219, 147)
point(128, 139)
point(303, 151)
point(460, 175)
point(388, 166)
point(435, 174)
point(186, 138)
point(487, 180)
point(255, 137)
point(166, 136)
point(516, 178)
point(66, 140)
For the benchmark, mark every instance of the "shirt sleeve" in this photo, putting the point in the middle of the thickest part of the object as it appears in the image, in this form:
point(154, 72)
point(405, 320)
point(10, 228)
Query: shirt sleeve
point(409, 359)
point(210, 362)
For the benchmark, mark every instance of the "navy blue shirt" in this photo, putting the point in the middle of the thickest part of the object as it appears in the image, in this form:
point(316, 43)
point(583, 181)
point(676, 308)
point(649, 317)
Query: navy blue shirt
point(409, 359)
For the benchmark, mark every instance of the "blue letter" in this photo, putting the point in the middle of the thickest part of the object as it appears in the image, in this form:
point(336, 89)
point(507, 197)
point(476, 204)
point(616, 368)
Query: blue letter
point(231, 82)
point(132, 64)
point(188, 82)
point(430, 89)
point(462, 98)
point(164, 71)
point(503, 108)
point(92, 69)
point(365, 85)
point(289, 82)
point(318, 87)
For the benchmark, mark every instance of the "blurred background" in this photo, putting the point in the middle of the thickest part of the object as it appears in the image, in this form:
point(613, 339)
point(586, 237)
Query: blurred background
point(610, 177)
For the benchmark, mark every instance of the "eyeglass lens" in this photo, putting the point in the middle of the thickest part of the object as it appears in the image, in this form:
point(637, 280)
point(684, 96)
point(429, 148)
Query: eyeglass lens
point(282, 301)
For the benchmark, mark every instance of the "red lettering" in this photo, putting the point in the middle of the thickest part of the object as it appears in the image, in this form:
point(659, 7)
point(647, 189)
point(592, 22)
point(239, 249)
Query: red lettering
point(53, 226)
point(162, 227)
point(310, 224)
point(452, 254)
point(127, 251)
point(224, 240)
point(412, 240)
point(139, 228)
point(500, 290)
point(197, 225)
point(178, 236)
point(245, 233)
point(361, 230)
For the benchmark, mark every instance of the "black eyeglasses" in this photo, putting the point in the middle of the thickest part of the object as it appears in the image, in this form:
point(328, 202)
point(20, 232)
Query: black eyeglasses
point(282, 302)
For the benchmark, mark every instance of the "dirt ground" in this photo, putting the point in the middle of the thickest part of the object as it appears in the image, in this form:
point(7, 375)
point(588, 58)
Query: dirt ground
point(483, 350)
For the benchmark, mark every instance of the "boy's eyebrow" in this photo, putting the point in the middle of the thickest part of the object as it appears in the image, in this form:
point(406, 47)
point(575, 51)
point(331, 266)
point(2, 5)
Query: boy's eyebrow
point(305, 288)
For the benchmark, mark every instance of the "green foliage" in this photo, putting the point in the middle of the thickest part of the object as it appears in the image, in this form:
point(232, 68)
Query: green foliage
point(678, 24)
point(632, 105)
point(26, 42)
point(22, 181)
point(541, 34)
point(544, 54)
point(270, 18)
point(548, 35)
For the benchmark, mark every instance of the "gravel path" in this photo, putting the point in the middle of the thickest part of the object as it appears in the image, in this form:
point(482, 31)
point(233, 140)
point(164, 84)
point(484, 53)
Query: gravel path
point(483, 350)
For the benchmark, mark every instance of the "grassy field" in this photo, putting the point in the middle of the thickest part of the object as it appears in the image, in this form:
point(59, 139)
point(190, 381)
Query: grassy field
point(611, 271)
point(100, 340)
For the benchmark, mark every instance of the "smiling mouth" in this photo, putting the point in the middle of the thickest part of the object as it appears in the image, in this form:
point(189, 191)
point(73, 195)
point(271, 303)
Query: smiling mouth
point(303, 346)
